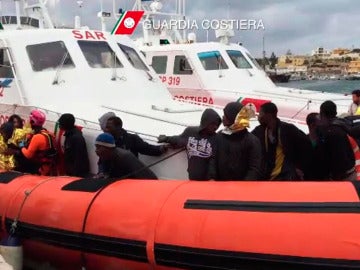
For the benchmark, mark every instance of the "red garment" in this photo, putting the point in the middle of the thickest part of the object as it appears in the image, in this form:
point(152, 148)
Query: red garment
point(356, 150)
point(59, 146)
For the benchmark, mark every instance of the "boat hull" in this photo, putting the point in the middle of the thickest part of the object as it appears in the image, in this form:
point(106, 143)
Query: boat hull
point(147, 224)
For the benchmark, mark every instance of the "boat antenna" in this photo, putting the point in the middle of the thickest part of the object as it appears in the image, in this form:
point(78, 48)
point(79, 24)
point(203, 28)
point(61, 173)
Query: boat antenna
point(264, 53)
point(228, 10)
point(103, 15)
point(79, 17)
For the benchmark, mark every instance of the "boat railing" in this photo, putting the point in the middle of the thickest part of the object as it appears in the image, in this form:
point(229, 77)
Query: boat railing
point(145, 116)
point(300, 92)
point(24, 20)
point(88, 124)
point(8, 51)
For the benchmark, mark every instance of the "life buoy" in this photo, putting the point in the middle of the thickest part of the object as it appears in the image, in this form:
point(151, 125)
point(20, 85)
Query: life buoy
point(356, 150)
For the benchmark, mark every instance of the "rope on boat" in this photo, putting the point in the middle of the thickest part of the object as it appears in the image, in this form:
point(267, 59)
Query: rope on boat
point(108, 184)
point(306, 106)
point(27, 195)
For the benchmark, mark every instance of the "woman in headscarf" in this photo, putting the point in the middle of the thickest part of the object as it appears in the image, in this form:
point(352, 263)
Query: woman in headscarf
point(238, 155)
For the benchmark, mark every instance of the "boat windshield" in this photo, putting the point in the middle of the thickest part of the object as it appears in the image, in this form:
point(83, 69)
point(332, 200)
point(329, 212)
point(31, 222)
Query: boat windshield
point(212, 60)
point(159, 64)
point(49, 56)
point(238, 59)
point(253, 60)
point(98, 54)
point(5, 66)
point(133, 57)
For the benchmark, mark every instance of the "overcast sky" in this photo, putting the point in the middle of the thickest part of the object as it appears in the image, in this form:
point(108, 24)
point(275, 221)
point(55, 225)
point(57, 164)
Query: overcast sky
point(298, 25)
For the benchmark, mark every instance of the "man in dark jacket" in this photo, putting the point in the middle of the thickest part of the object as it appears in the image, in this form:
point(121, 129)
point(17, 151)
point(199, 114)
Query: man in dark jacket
point(76, 159)
point(131, 142)
point(238, 152)
point(122, 163)
point(339, 156)
point(199, 142)
point(286, 148)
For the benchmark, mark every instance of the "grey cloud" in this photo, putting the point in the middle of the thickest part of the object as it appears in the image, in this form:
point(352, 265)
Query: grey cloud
point(299, 25)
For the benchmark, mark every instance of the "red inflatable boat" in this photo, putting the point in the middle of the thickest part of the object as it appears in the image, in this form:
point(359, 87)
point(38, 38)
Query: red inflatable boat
point(147, 224)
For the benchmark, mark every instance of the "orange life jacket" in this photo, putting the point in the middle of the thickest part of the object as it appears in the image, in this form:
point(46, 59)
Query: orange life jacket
point(356, 150)
point(43, 152)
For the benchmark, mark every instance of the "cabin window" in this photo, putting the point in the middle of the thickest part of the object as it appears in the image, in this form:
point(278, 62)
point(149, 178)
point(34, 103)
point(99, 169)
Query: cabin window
point(253, 60)
point(98, 54)
point(238, 59)
point(49, 56)
point(181, 65)
point(159, 64)
point(133, 57)
point(5, 68)
point(212, 60)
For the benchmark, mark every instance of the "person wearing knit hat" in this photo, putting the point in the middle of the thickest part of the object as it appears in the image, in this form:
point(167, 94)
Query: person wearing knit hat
point(105, 139)
point(103, 119)
point(120, 162)
point(75, 159)
point(238, 152)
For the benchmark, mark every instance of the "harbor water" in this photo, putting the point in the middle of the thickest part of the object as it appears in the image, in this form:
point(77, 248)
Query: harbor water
point(334, 86)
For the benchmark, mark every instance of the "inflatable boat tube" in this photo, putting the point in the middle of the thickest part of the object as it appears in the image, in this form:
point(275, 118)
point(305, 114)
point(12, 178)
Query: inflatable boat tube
point(70, 223)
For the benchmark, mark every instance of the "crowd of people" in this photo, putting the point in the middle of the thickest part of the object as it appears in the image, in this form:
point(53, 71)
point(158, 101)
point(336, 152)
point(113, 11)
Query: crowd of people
point(274, 150)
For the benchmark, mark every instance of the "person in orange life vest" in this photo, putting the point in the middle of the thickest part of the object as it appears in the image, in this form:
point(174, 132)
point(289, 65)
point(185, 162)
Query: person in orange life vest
point(41, 148)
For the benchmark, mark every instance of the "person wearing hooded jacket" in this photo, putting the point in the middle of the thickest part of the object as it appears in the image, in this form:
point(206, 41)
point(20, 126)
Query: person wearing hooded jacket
point(338, 153)
point(199, 142)
point(238, 152)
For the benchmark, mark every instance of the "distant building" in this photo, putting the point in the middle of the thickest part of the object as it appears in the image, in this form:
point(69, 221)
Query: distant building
point(321, 53)
point(292, 63)
point(354, 54)
point(354, 67)
point(339, 53)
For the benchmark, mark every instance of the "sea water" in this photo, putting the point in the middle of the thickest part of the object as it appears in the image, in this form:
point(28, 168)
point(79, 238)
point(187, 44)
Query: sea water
point(334, 86)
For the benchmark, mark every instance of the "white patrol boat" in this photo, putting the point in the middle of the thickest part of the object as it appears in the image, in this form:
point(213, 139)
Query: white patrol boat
point(214, 73)
point(86, 73)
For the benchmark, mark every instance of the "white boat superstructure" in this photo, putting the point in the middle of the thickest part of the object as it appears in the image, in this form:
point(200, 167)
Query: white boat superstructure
point(88, 73)
point(214, 73)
